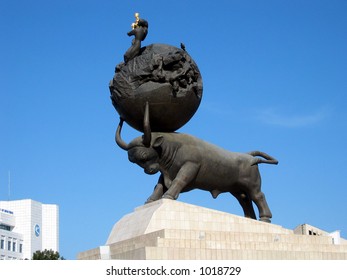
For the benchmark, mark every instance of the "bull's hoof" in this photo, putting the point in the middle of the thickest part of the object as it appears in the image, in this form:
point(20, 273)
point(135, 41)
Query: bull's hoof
point(265, 220)
point(149, 201)
point(167, 196)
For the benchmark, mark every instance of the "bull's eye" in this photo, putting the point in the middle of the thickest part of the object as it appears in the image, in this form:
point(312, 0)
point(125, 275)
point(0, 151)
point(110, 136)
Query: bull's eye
point(144, 156)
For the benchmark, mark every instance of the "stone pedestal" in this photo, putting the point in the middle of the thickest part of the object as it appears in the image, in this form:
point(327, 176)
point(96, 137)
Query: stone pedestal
point(172, 230)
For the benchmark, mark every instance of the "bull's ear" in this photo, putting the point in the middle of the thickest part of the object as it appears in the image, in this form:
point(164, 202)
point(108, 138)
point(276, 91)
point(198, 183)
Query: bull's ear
point(158, 141)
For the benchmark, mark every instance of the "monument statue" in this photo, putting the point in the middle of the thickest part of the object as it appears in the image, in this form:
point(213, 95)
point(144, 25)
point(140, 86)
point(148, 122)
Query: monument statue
point(157, 90)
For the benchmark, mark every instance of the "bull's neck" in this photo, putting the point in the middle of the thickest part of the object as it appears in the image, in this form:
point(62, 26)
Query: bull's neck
point(168, 155)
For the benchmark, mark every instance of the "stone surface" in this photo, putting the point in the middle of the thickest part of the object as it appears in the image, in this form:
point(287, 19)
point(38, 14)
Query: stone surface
point(168, 229)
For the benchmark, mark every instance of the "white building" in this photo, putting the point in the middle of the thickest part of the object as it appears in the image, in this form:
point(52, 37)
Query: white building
point(27, 226)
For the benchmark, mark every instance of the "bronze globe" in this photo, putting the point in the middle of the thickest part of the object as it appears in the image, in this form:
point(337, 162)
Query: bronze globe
point(164, 76)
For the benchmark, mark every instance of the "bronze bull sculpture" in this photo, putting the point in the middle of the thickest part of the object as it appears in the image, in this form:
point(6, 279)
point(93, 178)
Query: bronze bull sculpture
point(186, 163)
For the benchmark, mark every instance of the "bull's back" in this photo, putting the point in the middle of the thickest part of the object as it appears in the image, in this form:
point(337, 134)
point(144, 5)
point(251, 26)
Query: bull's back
point(219, 168)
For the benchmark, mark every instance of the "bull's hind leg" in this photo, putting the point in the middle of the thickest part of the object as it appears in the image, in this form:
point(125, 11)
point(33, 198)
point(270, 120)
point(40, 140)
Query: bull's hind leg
point(252, 186)
point(246, 204)
point(264, 211)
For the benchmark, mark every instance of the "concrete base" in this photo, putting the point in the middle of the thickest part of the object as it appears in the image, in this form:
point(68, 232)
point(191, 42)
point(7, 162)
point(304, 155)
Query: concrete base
point(172, 230)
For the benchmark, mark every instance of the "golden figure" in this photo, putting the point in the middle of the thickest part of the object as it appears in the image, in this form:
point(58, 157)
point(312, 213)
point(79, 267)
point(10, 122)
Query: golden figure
point(136, 23)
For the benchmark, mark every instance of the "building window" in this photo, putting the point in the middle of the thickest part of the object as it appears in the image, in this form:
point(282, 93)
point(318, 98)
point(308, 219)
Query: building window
point(5, 227)
point(2, 244)
point(20, 248)
point(14, 246)
point(9, 245)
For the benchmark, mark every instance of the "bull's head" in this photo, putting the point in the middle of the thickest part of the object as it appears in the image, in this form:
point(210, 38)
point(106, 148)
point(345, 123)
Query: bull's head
point(140, 150)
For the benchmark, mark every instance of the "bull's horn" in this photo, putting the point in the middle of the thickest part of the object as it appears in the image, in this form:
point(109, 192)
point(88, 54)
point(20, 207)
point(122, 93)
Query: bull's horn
point(146, 128)
point(119, 140)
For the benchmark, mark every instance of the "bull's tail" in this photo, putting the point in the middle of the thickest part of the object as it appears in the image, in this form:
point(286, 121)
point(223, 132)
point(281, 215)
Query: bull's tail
point(265, 158)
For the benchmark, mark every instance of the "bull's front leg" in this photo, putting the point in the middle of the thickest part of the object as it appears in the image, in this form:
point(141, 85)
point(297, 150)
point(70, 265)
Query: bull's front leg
point(184, 177)
point(158, 192)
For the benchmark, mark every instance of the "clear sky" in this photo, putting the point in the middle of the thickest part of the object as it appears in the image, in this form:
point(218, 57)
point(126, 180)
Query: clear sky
point(275, 80)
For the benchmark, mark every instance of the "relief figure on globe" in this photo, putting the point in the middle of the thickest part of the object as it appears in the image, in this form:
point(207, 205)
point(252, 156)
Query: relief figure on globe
point(157, 90)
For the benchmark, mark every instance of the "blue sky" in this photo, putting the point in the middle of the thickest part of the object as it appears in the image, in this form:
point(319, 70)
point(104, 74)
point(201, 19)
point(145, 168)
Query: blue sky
point(275, 79)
